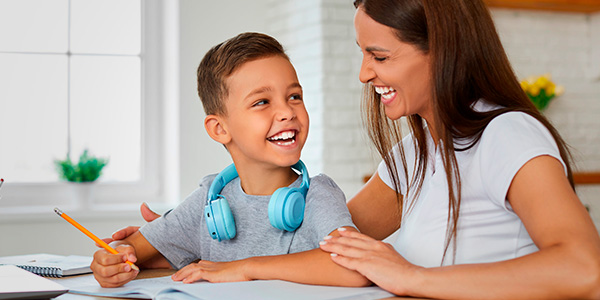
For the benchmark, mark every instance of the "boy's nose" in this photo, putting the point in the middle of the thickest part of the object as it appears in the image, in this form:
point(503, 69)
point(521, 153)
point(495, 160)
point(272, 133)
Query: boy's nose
point(285, 113)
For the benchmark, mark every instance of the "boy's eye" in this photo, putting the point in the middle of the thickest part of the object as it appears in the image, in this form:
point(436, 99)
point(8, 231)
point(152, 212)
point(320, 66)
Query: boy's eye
point(296, 97)
point(261, 102)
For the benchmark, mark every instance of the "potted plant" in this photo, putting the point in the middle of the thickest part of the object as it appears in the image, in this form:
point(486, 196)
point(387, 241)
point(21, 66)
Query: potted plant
point(81, 174)
point(540, 90)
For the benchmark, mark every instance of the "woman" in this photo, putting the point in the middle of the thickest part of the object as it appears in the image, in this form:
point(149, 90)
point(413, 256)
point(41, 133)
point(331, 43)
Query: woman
point(510, 225)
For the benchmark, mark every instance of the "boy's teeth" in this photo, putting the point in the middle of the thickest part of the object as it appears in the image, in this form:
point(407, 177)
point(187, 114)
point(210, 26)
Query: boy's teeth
point(283, 135)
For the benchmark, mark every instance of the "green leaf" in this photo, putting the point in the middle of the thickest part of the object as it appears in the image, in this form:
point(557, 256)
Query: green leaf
point(89, 168)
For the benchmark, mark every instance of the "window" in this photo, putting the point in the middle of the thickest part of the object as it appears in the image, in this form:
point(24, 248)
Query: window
point(80, 74)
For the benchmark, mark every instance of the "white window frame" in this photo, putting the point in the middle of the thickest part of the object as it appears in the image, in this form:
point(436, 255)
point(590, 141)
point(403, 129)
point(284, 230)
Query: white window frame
point(159, 152)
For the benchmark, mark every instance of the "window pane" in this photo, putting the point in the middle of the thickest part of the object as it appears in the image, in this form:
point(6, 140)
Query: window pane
point(34, 25)
point(106, 26)
point(33, 116)
point(105, 112)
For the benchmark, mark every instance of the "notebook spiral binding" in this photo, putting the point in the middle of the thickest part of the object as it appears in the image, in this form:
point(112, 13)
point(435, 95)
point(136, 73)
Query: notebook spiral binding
point(43, 271)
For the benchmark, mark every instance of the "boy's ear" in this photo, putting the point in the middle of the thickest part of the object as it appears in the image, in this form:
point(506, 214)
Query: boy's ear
point(217, 129)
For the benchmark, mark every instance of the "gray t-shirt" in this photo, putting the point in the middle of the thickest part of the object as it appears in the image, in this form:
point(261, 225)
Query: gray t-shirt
point(181, 235)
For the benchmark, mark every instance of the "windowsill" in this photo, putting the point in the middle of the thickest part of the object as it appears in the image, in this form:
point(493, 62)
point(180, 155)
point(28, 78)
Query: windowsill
point(33, 214)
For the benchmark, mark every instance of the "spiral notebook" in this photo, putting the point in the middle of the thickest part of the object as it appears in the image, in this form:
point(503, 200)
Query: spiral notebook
point(50, 265)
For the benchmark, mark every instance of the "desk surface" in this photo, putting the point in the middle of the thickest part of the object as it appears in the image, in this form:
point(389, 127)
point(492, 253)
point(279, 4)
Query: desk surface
point(143, 274)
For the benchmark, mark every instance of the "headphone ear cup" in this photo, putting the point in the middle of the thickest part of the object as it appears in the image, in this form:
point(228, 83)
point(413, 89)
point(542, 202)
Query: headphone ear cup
point(219, 220)
point(286, 209)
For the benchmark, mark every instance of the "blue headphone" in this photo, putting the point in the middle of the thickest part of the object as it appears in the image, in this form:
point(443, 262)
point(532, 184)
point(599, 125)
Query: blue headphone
point(286, 206)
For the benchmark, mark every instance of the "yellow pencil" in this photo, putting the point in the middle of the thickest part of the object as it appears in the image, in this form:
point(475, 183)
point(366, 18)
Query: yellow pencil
point(91, 235)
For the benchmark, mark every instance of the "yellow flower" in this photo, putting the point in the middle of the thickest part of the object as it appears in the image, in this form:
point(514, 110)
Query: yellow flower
point(534, 90)
point(541, 89)
point(542, 82)
point(550, 90)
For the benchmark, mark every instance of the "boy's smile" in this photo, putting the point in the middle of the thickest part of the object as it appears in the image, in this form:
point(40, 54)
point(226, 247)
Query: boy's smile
point(266, 118)
point(284, 138)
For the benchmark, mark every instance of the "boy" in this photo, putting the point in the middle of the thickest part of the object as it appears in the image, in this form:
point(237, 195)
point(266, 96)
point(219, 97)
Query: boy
point(254, 107)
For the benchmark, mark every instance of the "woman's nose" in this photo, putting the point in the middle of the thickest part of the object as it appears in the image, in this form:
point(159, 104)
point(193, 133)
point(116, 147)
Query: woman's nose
point(366, 73)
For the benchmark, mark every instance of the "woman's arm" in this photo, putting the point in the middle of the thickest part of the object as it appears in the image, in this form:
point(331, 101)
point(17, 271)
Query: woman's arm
point(567, 264)
point(308, 267)
point(375, 209)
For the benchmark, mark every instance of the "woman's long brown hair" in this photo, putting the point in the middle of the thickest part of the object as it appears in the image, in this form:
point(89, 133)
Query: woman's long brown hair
point(468, 63)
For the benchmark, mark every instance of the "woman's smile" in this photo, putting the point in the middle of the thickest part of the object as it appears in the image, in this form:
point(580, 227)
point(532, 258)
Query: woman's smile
point(387, 93)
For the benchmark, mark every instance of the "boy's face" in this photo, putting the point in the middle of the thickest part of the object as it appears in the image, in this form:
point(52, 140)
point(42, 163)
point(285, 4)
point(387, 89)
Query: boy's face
point(266, 118)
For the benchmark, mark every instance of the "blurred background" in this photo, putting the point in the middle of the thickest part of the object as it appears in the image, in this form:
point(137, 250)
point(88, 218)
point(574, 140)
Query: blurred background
point(118, 78)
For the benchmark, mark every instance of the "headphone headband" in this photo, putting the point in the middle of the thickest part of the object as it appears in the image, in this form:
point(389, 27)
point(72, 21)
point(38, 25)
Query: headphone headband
point(227, 175)
point(305, 178)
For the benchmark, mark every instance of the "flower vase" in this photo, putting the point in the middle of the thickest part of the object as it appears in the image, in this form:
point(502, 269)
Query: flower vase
point(82, 194)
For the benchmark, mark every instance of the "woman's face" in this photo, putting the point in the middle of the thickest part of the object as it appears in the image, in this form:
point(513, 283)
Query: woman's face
point(399, 71)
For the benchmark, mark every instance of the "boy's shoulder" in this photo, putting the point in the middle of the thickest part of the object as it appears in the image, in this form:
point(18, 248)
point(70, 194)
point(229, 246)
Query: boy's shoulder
point(207, 180)
point(321, 185)
point(323, 180)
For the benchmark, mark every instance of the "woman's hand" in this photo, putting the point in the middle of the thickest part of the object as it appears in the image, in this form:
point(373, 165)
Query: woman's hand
point(376, 260)
point(212, 271)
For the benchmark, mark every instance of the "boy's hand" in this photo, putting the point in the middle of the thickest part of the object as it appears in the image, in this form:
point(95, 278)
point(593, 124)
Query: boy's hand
point(212, 271)
point(110, 270)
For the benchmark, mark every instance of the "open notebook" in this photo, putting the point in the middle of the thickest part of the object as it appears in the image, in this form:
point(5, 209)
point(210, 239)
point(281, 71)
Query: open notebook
point(165, 288)
point(50, 265)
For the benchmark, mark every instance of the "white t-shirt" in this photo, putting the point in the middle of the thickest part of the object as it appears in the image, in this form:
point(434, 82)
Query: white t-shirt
point(488, 229)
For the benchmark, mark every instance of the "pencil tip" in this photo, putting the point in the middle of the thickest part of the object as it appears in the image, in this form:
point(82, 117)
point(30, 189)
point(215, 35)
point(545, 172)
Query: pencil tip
point(58, 211)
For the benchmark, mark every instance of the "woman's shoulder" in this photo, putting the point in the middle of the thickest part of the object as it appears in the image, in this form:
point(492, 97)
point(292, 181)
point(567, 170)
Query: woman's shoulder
point(514, 123)
point(515, 136)
point(509, 122)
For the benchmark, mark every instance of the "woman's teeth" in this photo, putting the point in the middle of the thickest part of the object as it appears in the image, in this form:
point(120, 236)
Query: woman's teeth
point(386, 92)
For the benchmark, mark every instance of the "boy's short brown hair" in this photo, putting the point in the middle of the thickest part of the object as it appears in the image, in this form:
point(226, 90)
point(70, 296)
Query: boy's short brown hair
point(223, 59)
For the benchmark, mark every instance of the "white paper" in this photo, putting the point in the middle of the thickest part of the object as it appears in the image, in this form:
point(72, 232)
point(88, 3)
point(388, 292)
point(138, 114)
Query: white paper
point(165, 288)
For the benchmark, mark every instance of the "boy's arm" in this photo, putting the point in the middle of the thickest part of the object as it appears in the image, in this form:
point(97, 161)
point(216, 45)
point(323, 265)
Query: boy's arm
point(110, 270)
point(308, 267)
